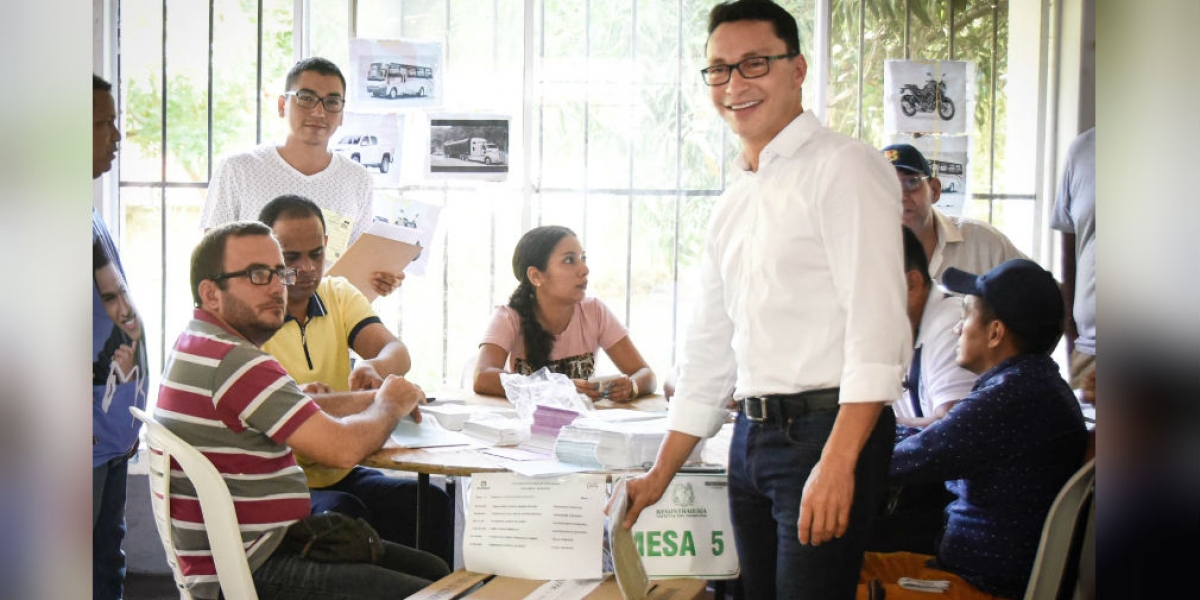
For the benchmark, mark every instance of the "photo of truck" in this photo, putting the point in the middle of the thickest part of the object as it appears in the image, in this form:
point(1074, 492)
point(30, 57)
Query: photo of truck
point(394, 79)
point(474, 146)
point(473, 149)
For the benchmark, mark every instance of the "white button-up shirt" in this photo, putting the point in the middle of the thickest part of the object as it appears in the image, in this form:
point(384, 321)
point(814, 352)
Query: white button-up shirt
point(942, 380)
point(802, 281)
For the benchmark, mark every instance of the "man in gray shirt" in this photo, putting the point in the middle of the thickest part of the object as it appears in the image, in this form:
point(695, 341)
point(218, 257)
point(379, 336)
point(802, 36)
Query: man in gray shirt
point(1075, 216)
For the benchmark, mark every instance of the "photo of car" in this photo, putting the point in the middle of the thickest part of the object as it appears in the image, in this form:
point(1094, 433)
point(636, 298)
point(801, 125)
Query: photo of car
point(366, 150)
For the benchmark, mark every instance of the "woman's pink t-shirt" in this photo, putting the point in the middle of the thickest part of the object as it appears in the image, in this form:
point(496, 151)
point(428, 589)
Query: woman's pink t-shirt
point(592, 327)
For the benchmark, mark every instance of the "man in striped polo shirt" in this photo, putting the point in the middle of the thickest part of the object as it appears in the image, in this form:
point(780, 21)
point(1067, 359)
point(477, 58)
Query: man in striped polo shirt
point(232, 401)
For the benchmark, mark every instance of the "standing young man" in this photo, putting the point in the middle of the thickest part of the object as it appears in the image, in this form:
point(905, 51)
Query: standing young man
point(801, 319)
point(118, 369)
point(312, 103)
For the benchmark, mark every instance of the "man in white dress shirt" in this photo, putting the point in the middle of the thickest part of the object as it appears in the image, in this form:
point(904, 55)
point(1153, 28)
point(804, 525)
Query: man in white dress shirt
point(801, 319)
point(967, 244)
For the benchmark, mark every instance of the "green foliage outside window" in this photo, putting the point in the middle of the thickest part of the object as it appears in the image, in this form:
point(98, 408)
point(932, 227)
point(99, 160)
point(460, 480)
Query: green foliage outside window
point(625, 146)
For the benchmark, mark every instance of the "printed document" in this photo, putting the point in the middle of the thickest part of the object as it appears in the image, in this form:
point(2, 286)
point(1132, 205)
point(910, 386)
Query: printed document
point(535, 528)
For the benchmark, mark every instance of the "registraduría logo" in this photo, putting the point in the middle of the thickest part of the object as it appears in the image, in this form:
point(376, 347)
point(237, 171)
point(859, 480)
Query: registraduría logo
point(683, 495)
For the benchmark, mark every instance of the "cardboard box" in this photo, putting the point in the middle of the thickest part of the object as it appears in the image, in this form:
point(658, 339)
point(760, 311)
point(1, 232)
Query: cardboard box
point(466, 585)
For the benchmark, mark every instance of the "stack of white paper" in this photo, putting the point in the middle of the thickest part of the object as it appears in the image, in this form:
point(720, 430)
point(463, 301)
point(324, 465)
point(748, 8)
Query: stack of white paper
point(500, 432)
point(600, 444)
point(449, 416)
point(453, 416)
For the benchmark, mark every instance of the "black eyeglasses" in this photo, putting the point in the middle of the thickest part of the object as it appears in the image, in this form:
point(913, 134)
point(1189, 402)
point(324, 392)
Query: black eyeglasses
point(911, 183)
point(261, 275)
point(307, 99)
point(750, 68)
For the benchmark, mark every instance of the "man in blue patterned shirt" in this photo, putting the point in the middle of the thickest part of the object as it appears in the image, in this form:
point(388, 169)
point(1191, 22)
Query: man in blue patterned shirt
point(1004, 451)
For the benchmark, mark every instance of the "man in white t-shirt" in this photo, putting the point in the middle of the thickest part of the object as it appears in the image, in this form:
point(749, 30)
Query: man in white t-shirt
point(312, 104)
point(967, 244)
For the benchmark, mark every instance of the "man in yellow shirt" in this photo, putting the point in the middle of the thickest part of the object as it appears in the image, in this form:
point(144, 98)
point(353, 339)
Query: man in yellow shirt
point(326, 318)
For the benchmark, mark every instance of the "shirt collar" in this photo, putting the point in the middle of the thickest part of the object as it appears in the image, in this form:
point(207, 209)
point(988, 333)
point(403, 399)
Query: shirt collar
point(203, 315)
point(316, 308)
point(947, 229)
point(787, 142)
point(1020, 362)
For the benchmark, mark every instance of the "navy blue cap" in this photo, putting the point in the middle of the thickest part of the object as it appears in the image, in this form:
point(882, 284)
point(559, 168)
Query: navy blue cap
point(1023, 295)
point(904, 156)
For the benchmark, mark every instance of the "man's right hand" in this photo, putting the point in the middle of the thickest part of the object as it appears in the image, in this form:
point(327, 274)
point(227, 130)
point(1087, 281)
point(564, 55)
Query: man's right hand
point(124, 359)
point(643, 491)
point(401, 396)
point(647, 489)
point(385, 283)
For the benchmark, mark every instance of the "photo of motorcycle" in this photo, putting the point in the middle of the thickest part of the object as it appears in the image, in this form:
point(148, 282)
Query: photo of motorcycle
point(930, 98)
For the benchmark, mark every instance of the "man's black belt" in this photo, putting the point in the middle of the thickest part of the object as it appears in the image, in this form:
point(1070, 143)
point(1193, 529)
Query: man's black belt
point(778, 408)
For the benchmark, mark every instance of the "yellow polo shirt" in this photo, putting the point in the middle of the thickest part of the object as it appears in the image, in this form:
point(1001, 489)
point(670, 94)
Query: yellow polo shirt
point(320, 351)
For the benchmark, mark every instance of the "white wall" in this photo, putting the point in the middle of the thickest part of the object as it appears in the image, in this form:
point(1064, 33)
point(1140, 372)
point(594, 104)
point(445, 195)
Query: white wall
point(1147, 129)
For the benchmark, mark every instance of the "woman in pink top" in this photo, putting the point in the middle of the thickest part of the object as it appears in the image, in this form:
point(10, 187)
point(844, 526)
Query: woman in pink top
point(550, 322)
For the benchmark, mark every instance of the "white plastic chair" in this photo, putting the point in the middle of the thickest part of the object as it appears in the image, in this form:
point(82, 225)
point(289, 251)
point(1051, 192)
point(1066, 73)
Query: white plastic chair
point(466, 377)
point(1068, 539)
point(220, 520)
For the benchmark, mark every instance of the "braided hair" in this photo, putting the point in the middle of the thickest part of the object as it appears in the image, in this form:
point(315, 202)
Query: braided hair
point(534, 251)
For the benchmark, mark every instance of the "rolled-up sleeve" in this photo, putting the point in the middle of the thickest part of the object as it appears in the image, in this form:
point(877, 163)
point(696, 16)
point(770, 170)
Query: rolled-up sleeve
point(859, 212)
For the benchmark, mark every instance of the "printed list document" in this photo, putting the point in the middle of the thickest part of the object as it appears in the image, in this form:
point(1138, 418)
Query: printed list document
point(546, 528)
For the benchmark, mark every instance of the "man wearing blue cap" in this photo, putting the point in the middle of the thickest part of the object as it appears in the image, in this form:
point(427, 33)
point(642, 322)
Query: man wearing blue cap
point(960, 242)
point(1004, 451)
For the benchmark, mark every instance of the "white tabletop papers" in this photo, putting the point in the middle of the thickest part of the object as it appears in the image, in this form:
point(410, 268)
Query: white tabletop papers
point(535, 528)
point(426, 434)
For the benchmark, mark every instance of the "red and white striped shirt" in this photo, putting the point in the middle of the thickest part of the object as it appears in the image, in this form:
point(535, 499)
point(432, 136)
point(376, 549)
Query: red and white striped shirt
point(237, 405)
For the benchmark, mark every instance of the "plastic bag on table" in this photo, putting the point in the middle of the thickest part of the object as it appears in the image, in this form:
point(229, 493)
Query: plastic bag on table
point(543, 387)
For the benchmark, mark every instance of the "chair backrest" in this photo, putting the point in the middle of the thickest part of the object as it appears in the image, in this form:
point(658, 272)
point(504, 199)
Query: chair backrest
point(1068, 538)
point(220, 520)
point(466, 377)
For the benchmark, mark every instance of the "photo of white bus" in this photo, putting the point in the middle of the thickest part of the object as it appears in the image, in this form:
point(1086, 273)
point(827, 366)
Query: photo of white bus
point(393, 80)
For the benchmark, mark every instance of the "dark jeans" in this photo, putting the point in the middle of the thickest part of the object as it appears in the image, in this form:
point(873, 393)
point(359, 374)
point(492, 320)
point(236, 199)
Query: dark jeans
point(768, 466)
point(108, 528)
point(389, 504)
point(400, 573)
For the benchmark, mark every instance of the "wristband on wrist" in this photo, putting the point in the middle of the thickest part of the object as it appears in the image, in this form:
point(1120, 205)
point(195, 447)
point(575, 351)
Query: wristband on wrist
point(636, 393)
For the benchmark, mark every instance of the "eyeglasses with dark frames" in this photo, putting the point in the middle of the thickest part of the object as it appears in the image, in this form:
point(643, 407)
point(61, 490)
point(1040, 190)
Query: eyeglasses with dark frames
point(261, 275)
point(306, 99)
point(750, 68)
point(911, 183)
